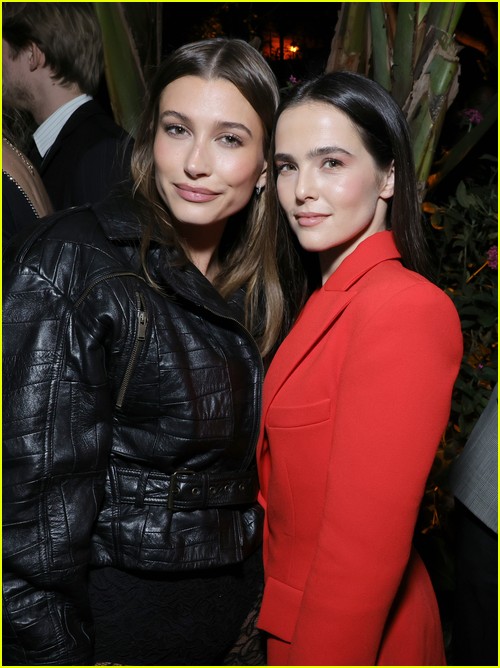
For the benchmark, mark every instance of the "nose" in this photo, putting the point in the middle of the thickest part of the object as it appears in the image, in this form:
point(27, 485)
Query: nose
point(197, 162)
point(305, 186)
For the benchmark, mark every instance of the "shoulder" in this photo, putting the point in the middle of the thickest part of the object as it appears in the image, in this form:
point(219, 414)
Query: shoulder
point(92, 120)
point(392, 298)
point(77, 225)
point(390, 283)
point(69, 248)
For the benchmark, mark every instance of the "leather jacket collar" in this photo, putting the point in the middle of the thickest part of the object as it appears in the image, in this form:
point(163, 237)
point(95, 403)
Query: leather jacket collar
point(120, 221)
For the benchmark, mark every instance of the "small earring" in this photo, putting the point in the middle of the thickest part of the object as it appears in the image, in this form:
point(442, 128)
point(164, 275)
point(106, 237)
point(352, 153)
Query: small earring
point(258, 190)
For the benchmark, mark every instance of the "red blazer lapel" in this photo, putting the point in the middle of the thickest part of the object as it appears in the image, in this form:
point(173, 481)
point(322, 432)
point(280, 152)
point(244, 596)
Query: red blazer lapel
point(323, 307)
point(318, 314)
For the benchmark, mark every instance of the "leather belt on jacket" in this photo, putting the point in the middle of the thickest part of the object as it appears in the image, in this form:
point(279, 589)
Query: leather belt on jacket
point(186, 490)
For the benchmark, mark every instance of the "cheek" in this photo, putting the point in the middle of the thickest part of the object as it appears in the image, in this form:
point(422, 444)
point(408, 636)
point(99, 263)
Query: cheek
point(157, 153)
point(164, 156)
point(285, 190)
point(355, 192)
point(239, 171)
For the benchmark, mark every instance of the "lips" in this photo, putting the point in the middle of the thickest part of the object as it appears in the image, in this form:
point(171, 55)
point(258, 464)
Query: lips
point(192, 194)
point(311, 218)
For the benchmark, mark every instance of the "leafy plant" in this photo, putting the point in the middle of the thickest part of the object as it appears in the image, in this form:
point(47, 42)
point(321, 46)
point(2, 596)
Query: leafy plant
point(411, 50)
point(132, 46)
point(464, 234)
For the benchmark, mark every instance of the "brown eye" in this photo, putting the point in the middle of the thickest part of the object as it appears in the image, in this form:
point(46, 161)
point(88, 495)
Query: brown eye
point(331, 163)
point(175, 130)
point(231, 140)
point(284, 167)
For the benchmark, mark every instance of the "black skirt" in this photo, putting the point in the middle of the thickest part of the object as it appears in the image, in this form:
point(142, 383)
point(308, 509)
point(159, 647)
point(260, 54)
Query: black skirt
point(182, 619)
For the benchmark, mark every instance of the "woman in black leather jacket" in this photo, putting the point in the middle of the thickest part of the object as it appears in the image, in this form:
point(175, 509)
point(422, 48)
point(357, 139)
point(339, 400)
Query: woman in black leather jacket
point(134, 332)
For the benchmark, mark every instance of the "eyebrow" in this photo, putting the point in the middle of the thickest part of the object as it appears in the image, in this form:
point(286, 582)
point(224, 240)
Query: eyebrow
point(220, 125)
point(313, 153)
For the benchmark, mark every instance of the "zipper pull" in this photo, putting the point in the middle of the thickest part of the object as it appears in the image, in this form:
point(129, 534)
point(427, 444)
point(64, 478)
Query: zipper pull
point(141, 326)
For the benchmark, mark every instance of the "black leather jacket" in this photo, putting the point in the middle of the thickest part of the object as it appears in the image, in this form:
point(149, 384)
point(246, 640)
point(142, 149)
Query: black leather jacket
point(130, 425)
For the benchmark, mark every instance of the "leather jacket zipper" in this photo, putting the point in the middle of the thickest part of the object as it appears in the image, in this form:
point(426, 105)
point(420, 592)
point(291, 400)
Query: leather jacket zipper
point(140, 336)
point(140, 331)
point(142, 321)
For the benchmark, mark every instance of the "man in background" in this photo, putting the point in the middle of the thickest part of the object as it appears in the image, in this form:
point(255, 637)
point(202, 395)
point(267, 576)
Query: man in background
point(474, 483)
point(52, 66)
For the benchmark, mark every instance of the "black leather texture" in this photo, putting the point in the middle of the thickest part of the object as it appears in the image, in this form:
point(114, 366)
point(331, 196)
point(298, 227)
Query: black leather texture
point(107, 380)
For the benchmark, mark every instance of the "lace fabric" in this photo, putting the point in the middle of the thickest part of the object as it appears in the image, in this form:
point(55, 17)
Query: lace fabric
point(250, 648)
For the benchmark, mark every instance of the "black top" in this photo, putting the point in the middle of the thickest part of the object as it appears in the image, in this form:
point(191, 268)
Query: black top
point(18, 212)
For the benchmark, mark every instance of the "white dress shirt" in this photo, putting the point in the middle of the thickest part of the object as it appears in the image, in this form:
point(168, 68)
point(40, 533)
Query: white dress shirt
point(46, 134)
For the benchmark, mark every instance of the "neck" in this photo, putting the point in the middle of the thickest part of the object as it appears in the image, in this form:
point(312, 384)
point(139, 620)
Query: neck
point(52, 97)
point(332, 258)
point(202, 243)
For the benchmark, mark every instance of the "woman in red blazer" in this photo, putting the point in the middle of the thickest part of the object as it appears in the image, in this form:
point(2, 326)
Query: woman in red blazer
point(358, 395)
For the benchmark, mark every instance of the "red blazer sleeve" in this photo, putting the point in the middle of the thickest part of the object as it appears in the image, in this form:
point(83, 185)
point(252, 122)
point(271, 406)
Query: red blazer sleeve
point(392, 406)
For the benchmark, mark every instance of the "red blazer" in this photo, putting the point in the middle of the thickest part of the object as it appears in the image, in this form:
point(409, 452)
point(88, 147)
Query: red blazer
point(355, 403)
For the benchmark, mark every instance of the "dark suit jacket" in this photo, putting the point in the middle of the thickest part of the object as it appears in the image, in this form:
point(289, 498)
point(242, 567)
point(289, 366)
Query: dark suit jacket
point(474, 475)
point(90, 156)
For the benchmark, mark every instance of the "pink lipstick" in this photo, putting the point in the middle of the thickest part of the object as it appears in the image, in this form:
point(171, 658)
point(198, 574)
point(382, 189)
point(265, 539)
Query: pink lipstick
point(310, 219)
point(192, 194)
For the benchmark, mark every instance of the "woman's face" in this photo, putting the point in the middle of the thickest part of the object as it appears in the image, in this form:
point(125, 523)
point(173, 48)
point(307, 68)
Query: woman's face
point(208, 150)
point(329, 186)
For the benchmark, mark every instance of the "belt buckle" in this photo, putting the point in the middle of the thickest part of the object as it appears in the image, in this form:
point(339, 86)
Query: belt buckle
point(173, 486)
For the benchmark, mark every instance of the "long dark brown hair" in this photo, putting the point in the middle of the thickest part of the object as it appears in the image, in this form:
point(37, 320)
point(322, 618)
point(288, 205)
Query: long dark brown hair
point(248, 253)
point(385, 134)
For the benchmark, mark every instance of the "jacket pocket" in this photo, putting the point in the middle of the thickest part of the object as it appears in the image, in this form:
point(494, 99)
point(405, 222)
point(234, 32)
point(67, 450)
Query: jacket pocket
point(298, 416)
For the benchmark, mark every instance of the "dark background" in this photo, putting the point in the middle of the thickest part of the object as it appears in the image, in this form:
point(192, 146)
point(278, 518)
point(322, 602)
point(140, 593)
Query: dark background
point(311, 24)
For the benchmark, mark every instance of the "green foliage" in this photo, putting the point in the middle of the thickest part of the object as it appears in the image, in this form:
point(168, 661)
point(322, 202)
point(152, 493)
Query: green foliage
point(464, 232)
point(132, 43)
point(410, 50)
point(476, 131)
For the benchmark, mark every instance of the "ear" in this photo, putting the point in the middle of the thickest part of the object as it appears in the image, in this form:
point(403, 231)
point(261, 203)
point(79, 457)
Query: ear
point(263, 177)
point(387, 183)
point(36, 57)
